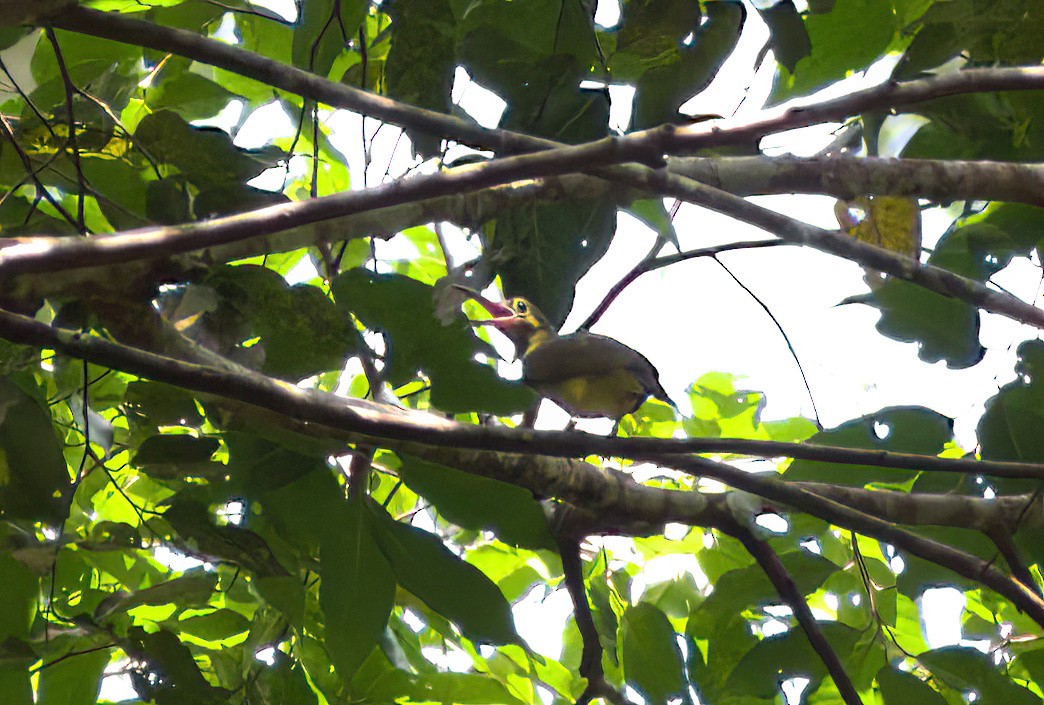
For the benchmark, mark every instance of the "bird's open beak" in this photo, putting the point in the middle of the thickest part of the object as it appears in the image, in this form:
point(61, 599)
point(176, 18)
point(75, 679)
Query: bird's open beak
point(502, 316)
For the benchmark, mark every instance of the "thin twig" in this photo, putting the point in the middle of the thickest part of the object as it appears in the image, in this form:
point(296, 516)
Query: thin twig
point(786, 338)
point(74, 146)
point(30, 171)
point(1002, 540)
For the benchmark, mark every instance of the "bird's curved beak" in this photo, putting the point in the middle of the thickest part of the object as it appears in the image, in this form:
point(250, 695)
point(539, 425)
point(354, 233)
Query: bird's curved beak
point(502, 316)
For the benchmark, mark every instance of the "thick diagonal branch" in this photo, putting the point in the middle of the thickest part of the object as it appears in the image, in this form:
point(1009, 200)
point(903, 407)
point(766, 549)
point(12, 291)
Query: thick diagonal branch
point(780, 578)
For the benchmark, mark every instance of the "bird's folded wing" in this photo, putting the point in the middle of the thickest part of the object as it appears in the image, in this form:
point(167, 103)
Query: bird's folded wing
point(583, 355)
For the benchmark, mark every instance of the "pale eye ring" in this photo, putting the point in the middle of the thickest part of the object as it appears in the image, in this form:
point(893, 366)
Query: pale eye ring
point(521, 307)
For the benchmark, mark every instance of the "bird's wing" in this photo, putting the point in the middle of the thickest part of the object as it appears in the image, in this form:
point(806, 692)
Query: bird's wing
point(589, 355)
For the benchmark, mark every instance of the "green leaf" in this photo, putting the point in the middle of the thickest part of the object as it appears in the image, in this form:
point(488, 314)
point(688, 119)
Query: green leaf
point(283, 682)
point(33, 473)
point(231, 198)
point(1010, 427)
point(964, 668)
point(172, 675)
point(324, 29)
point(663, 89)
point(357, 592)
point(205, 155)
point(184, 591)
point(898, 429)
point(544, 250)
point(286, 594)
point(167, 201)
point(744, 588)
point(899, 688)
point(653, 213)
point(402, 308)
point(421, 60)
point(474, 502)
point(190, 95)
point(788, 37)
point(848, 38)
point(456, 590)
point(650, 654)
point(73, 681)
point(161, 404)
point(175, 449)
point(21, 594)
point(218, 625)
point(302, 332)
point(16, 687)
point(788, 655)
point(946, 328)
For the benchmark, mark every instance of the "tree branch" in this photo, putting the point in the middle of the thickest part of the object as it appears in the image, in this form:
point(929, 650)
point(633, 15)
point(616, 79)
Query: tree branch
point(774, 489)
point(359, 416)
point(122, 28)
point(887, 95)
point(575, 482)
point(845, 176)
point(651, 264)
point(777, 573)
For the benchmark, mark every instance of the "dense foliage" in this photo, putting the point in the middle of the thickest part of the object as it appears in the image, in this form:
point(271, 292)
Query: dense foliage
point(209, 493)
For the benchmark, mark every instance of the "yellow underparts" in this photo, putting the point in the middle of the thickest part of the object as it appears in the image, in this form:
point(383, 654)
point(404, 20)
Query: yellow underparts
point(613, 394)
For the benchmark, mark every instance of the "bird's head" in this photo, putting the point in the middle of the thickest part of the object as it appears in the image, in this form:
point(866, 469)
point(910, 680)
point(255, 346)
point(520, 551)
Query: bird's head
point(517, 318)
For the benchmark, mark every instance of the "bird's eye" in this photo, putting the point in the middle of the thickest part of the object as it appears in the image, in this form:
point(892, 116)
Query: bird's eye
point(521, 307)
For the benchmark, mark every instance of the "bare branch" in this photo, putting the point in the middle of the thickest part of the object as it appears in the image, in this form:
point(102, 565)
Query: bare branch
point(358, 416)
point(651, 264)
point(788, 592)
point(74, 146)
point(1002, 540)
point(774, 489)
point(887, 95)
point(122, 28)
point(845, 176)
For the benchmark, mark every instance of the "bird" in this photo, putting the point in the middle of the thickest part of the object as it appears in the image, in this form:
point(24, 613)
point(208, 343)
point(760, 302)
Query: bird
point(587, 374)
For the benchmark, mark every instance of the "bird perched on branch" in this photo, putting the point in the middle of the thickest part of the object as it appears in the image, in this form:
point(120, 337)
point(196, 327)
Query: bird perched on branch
point(586, 374)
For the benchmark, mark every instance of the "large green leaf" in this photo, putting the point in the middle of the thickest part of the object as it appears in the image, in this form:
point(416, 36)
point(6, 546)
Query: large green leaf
point(74, 680)
point(897, 429)
point(652, 661)
point(848, 38)
point(749, 587)
point(475, 502)
point(170, 674)
point(33, 473)
point(402, 308)
point(899, 688)
point(21, 594)
point(358, 588)
point(456, 590)
point(422, 59)
point(947, 328)
point(664, 87)
point(190, 95)
point(986, 31)
point(789, 655)
point(544, 250)
point(324, 29)
point(1010, 427)
point(788, 37)
point(205, 155)
point(967, 669)
point(301, 331)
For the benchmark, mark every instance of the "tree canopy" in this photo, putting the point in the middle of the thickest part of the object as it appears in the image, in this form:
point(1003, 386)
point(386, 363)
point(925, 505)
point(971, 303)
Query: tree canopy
point(251, 453)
